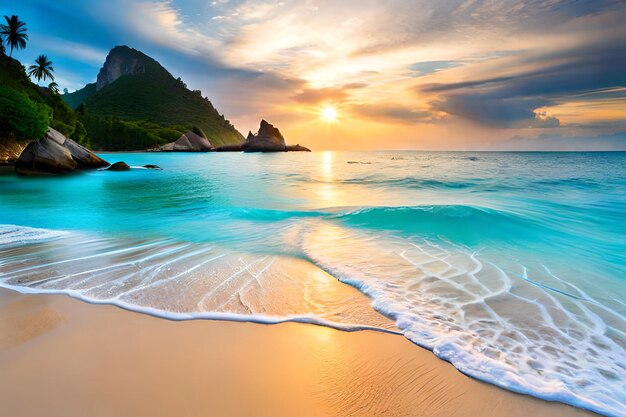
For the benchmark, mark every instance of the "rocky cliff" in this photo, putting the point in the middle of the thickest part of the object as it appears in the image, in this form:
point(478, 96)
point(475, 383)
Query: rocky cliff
point(121, 61)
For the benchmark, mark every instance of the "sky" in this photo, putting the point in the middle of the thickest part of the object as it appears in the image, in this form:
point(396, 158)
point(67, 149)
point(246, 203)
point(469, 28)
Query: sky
point(398, 74)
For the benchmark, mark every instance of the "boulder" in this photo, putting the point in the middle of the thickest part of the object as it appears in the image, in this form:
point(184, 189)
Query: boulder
point(188, 142)
point(56, 136)
point(45, 156)
point(118, 166)
point(198, 142)
point(85, 159)
point(183, 144)
point(152, 166)
point(268, 139)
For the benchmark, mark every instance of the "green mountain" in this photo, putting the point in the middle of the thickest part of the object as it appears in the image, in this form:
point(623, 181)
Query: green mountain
point(76, 98)
point(137, 104)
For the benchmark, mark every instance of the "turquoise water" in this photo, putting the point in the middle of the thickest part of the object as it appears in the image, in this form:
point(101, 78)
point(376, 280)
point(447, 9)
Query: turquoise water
point(512, 266)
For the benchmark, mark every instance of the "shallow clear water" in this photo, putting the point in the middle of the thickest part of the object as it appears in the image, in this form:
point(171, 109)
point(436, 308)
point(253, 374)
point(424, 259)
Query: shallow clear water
point(512, 266)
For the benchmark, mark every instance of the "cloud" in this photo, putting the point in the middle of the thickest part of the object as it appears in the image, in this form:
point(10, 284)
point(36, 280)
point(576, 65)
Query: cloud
point(330, 94)
point(603, 142)
point(421, 69)
point(512, 100)
point(75, 50)
point(386, 112)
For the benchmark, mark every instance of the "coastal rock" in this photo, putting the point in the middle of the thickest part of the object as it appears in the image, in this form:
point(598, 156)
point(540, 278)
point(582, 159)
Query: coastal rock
point(183, 144)
point(188, 142)
point(45, 156)
point(85, 159)
point(56, 136)
point(268, 139)
point(233, 147)
point(297, 148)
point(152, 166)
point(118, 166)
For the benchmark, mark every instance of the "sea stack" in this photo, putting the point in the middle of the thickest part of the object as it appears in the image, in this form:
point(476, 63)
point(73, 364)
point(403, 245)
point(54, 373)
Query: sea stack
point(267, 139)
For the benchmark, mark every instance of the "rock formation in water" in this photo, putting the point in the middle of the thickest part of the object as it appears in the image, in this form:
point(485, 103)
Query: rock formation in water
point(118, 166)
point(188, 142)
point(297, 148)
point(56, 154)
point(267, 139)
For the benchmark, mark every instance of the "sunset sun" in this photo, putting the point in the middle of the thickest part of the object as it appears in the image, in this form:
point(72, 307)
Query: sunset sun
point(329, 114)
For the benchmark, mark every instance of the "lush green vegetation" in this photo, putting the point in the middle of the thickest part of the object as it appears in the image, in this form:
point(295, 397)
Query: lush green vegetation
point(115, 134)
point(20, 115)
point(33, 101)
point(153, 102)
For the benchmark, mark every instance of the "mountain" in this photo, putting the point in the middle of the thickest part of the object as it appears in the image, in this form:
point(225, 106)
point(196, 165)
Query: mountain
point(135, 103)
point(76, 98)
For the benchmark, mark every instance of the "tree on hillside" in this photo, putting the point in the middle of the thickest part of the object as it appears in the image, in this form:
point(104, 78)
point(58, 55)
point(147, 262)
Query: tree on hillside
point(54, 87)
point(14, 33)
point(42, 69)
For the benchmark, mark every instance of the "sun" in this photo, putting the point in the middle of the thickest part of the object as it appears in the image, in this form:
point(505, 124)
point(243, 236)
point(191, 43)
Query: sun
point(329, 114)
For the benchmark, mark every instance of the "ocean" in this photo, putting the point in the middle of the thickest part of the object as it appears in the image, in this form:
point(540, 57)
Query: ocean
point(509, 265)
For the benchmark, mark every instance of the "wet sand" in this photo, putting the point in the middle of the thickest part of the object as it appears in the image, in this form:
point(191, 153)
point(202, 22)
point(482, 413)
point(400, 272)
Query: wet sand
point(62, 357)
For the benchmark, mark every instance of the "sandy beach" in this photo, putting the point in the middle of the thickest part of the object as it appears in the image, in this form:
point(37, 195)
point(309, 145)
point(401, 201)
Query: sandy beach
point(63, 357)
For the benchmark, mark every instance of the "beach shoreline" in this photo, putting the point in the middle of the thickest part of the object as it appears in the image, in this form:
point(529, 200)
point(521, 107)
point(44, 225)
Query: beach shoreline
point(79, 359)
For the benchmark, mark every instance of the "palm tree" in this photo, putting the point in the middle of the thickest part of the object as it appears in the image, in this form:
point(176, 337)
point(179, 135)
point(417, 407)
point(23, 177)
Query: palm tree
point(14, 33)
point(41, 69)
point(54, 87)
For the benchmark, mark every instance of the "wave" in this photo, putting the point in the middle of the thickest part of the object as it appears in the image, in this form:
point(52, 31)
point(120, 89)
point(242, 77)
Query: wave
point(461, 223)
point(11, 235)
point(407, 182)
point(177, 316)
point(518, 326)
point(510, 329)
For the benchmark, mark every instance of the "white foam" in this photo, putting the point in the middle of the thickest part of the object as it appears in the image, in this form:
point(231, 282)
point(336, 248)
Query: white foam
point(175, 316)
point(495, 326)
point(17, 235)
